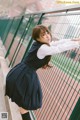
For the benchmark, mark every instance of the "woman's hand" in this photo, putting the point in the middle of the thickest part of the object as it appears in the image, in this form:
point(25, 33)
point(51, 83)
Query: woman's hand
point(49, 65)
point(76, 40)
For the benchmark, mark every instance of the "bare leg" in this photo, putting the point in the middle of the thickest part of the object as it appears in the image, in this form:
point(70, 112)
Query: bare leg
point(23, 111)
point(25, 114)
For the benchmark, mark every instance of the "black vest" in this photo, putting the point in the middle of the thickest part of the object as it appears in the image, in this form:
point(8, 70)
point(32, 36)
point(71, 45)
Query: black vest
point(32, 60)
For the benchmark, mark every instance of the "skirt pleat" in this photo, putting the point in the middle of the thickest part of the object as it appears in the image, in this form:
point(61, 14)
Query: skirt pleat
point(23, 87)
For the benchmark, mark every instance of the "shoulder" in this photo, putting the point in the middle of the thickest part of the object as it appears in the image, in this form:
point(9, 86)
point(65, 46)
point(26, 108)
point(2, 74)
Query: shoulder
point(44, 46)
point(42, 50)
point(35, 46)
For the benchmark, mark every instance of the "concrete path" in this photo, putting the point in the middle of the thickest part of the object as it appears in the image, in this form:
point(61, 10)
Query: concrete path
point(5, 103)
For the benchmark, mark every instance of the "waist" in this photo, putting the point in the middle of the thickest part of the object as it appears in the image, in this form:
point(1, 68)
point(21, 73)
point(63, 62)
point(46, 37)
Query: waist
point(30, 66)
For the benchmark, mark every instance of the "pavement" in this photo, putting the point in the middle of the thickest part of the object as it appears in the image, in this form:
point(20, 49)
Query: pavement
point(6, 106)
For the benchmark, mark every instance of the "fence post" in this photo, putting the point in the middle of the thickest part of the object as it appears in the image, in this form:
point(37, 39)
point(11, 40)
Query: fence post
point(7, 30)
point(14, 37)
point(76, 112)
point(22, 38)
point(31, 40)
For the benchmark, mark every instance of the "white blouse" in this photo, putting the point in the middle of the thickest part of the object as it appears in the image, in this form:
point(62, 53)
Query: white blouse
point(56, 47)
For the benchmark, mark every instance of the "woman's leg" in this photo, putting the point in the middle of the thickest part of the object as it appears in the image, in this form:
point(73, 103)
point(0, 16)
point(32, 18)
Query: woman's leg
point(23, 111)
point(25, 114)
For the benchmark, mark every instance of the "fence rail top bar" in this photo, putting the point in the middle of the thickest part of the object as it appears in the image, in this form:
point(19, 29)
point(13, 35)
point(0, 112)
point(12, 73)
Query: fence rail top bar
point(59, 14)
point(57, 10)
point(64, 9)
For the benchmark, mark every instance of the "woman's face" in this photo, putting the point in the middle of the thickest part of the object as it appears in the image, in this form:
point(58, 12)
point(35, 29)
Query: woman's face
point(45, 37)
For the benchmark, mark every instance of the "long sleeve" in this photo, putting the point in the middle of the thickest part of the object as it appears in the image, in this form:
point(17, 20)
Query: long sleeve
point(56, 48)
point(61, 41)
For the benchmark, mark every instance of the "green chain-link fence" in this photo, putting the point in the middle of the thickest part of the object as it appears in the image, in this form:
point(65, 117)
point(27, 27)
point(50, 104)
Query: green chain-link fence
point(61, 83)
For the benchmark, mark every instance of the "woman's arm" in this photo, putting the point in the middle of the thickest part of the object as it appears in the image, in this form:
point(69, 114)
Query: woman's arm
point(45, 50)
point(61, 41)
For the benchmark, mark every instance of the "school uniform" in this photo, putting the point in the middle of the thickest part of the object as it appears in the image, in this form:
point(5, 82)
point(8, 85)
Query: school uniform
point(22, 82)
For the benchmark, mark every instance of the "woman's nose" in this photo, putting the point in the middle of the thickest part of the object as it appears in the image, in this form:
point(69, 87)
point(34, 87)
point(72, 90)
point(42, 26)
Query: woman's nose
point(47, 35)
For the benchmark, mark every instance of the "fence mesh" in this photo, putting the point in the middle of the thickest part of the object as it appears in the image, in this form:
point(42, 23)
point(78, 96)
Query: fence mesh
point(61, 83)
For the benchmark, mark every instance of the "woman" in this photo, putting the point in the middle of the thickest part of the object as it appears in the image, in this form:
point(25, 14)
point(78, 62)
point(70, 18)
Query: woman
point(22, 83)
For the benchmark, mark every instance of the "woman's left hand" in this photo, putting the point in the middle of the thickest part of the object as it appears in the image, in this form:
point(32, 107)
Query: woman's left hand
point(76, 40)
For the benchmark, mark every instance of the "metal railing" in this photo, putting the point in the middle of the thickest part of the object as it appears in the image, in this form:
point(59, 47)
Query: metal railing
point(60, 84)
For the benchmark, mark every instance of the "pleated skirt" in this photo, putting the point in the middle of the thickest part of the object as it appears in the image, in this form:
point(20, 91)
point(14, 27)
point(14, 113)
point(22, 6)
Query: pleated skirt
point(23, 87)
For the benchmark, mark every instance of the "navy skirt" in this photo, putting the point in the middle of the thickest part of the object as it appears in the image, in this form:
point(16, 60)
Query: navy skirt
point(23, 87)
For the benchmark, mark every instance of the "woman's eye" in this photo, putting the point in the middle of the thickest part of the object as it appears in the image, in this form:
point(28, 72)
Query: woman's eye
point(43, 35)
point(47, 32)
